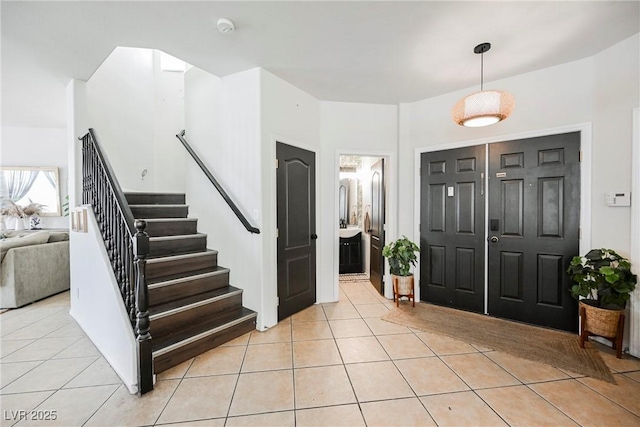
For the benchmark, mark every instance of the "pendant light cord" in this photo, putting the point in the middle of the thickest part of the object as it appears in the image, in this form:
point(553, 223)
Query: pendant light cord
point(481, 71)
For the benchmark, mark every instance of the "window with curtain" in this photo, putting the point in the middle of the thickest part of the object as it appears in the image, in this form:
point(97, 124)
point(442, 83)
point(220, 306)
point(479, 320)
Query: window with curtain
point(24, 185)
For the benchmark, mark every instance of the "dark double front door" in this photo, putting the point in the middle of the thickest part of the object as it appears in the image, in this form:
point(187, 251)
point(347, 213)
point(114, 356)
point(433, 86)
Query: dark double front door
point(452, 228)
point(529, 236)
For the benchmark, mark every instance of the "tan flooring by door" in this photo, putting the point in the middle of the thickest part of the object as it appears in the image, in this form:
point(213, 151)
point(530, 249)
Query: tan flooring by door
point(333, 364)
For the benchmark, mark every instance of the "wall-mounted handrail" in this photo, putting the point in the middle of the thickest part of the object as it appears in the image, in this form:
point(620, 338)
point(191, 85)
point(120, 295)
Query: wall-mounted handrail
point(216, 184)
point(126, 243)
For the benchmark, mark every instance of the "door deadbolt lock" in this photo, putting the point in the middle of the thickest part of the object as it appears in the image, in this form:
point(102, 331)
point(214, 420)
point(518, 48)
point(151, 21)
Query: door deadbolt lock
point(493, 239)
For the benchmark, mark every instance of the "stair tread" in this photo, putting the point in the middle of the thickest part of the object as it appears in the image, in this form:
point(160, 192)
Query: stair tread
point(178, 237)
point(182, 302)
point(151, 193)
point(193, 252)
point(169, 219)
point(169, 258)
point(185, 335)
point(187, 274)
point(174, 257)
point(158, 205)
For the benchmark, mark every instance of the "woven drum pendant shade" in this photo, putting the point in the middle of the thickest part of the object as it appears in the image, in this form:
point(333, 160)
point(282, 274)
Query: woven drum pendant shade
point(486, 107)
point(483, 108)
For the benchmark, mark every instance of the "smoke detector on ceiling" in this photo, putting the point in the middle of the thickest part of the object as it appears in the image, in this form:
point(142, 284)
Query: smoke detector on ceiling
point(226, 25)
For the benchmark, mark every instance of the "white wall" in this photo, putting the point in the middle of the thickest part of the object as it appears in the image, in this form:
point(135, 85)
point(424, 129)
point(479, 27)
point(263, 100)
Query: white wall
point(222, 119)
point(137, 110)
point(96, 303)
point(358, 129)
point(290, 116)
point(616, 93)
point(77, 126)
point(39, 147)
point(169, 156)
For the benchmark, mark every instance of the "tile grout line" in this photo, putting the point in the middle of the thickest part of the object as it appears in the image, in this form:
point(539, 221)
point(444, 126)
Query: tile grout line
point(164, 407)
point(606, 397)
point(471, 389)
point(37, 321)
point(553, 404)
point(235, 387)
point(101, 405)
point(293, 370)
point(344, 365)
point(43, 361)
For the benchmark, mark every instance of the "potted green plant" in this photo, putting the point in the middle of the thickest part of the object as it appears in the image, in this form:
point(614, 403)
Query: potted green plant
point(603, 283)
point(401, 255)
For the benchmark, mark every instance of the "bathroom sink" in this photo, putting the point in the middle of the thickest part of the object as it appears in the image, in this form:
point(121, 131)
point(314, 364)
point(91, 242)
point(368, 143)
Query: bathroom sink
point(349, 232)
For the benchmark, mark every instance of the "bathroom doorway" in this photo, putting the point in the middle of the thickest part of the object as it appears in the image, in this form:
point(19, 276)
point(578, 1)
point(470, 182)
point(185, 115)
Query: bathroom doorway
point(361, 233)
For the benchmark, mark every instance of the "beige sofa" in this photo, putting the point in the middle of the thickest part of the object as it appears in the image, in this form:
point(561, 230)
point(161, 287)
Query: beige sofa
point(34, 265)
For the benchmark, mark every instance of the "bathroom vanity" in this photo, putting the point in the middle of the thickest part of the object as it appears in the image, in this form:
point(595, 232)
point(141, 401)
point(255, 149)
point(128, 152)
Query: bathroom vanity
point(350, 251)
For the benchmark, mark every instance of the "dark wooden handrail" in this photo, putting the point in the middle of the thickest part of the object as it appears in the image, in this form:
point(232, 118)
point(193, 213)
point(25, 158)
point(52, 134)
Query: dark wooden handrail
point(126, 243)
point(215, 183)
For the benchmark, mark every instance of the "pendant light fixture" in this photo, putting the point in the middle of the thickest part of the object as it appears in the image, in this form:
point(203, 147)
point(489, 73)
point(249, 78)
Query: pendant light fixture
point(486, 107)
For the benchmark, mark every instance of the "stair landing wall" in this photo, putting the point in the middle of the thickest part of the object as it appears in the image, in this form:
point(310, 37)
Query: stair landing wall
point(96, 303)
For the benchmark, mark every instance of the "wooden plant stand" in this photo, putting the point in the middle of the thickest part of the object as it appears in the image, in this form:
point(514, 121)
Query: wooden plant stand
point(397, 296)
point(615, 340)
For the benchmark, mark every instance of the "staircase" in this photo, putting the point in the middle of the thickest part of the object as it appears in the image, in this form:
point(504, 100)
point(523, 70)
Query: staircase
point(192, 306)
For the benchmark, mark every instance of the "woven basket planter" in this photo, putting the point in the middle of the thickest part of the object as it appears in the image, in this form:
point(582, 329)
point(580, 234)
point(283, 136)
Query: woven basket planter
point(404, 285)
point(601, 321)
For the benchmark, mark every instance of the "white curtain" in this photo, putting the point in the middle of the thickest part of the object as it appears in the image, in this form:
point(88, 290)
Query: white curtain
point(18, 183)
point(51, 177)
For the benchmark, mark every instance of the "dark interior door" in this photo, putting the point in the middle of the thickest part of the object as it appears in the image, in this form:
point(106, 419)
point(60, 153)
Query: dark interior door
point(296, 192)
point(376, 267)
point(534, 215)
point(452, 217)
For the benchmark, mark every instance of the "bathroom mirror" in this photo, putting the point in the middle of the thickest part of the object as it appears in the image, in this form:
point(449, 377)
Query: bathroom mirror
point(24, 185)
point(343, 201)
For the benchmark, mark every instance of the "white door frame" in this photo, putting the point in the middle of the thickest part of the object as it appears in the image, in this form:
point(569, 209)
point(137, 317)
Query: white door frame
point(585, 182)
point(390, 209)
point(634, 306)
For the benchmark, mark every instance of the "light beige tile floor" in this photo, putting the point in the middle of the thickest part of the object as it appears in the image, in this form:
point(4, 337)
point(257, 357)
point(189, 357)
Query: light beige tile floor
point(335, 364)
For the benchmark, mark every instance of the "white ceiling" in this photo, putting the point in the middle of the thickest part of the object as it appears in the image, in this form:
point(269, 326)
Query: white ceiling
point(373, 52)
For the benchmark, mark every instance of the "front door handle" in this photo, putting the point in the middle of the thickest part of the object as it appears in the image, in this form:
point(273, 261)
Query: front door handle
point(494, 239)
point(314, 236)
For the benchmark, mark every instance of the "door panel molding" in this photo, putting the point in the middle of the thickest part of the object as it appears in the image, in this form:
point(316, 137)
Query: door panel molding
point(586, 144)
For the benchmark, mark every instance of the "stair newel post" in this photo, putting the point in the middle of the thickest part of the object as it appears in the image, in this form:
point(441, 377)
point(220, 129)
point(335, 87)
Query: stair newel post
point(143, 337)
